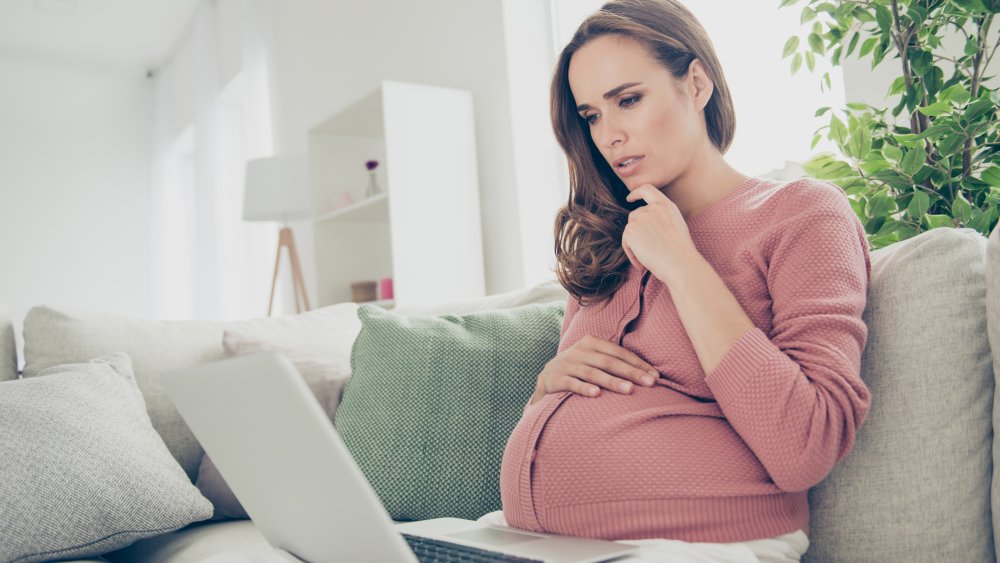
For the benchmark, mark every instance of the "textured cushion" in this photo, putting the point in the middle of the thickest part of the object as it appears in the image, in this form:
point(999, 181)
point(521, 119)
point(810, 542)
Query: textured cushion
point(325, 375)
point(916, 486)
point(993, 329)
point(8, 350)
point(81, 469)
point(59, 336)
point(432, 401)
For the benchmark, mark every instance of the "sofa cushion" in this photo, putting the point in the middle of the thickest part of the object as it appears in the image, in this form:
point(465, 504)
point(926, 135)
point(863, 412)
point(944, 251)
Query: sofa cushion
point(82, 469)
point(201, 542)
point(54, 336)
point(916, 485)
point(432, 401)
point(8, 349)
point(993, 330)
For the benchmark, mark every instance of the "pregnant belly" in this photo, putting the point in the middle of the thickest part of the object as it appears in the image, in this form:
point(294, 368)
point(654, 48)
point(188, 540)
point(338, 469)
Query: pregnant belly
point(654, 443)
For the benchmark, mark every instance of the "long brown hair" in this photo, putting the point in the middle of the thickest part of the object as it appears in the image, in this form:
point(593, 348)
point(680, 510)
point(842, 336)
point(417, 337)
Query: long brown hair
point(590, 262)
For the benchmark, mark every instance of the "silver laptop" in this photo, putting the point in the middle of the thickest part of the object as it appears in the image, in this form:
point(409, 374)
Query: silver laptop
point(278, 451)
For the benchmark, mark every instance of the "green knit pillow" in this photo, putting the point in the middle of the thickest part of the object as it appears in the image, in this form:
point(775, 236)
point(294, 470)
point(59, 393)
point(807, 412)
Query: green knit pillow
point(433, 400)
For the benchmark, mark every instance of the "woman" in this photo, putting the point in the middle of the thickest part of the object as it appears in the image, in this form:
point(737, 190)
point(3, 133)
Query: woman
point(708, 368)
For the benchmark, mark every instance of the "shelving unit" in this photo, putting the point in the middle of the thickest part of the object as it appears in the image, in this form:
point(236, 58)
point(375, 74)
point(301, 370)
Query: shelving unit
point(423, 230)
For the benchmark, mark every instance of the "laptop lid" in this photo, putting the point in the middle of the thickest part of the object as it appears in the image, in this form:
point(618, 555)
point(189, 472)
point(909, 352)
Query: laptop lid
point(302, 456)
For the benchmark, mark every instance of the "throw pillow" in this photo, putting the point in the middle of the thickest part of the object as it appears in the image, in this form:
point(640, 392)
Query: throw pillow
point(325, 375)
point(82, 471)
point(916, 485)
point(433, 400)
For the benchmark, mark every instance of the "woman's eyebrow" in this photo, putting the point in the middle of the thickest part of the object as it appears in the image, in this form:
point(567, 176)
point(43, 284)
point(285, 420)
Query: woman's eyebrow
point(610, 94)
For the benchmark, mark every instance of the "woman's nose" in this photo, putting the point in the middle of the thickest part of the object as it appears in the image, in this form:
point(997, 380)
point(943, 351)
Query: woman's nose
point(610, 135)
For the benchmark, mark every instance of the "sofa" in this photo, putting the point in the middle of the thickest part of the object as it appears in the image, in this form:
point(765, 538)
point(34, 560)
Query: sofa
point(922, 482)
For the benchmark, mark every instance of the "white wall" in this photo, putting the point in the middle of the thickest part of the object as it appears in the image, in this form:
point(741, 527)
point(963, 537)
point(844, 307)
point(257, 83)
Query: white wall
point(331, 53)
point(74, 178)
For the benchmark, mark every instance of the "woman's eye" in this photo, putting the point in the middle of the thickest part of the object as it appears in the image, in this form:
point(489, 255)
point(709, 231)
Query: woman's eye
point(630, 101)
point(591, 118)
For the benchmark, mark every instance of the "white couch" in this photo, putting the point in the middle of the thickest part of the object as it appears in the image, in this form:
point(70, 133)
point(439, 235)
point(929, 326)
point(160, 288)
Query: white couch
point(923, 480)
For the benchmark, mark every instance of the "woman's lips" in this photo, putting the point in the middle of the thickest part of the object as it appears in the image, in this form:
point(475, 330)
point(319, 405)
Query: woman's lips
point(624, 171)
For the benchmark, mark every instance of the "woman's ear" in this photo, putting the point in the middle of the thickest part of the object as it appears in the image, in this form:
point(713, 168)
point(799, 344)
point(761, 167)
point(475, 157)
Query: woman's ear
point(701, 85)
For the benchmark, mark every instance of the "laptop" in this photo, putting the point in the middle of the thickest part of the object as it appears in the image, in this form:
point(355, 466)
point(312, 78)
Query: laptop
point(277, 450)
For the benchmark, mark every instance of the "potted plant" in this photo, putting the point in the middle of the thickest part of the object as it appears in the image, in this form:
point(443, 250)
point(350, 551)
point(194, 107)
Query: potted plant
point(931, 158)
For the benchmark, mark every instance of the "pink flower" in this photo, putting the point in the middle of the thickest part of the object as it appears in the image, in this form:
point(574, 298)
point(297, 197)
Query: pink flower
point(371, 164)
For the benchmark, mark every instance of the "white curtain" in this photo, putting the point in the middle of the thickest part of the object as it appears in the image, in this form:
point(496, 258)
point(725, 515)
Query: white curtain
point(208, 263)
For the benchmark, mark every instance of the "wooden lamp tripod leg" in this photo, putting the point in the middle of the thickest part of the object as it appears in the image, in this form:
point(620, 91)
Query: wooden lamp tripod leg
point(287, 240)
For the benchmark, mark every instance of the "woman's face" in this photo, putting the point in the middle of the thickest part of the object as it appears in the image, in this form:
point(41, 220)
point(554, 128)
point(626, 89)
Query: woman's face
point(646, 125)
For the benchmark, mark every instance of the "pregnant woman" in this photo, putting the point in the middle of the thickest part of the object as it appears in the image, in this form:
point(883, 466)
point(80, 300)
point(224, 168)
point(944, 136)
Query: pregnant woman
point(708, 368)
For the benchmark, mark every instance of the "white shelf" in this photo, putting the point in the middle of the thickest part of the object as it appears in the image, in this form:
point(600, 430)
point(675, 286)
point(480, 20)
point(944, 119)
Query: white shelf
point(371, 210)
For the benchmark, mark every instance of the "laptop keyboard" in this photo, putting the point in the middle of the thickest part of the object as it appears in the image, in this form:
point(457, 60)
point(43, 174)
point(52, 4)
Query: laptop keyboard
point(435, 551)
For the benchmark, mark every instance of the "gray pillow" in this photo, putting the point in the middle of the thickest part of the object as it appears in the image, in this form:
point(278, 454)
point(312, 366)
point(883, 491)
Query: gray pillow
point(916, 487)
point(8, 350)
point(82, 471)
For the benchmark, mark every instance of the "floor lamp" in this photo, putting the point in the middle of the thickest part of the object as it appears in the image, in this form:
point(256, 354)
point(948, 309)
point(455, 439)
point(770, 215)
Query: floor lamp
point(277, 189)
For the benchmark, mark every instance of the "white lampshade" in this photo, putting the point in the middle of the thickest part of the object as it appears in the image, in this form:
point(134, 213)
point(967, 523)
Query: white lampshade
point(277, 189)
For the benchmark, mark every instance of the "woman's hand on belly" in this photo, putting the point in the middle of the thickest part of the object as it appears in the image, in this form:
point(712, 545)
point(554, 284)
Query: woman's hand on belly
point(591, 364)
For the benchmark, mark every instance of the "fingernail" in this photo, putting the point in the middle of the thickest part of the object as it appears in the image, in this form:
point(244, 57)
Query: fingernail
point(625, 387)
point(647, 380)
point(654, 374)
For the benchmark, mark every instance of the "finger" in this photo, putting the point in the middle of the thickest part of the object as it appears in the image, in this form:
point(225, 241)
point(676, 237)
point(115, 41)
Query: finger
point(604, 379)
point(647, 192)
point(578, 386)
point(618, 367)
point(623, 354)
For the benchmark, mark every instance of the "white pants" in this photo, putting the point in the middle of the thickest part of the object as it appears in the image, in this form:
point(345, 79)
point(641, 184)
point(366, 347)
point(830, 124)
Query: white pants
point(781, 549)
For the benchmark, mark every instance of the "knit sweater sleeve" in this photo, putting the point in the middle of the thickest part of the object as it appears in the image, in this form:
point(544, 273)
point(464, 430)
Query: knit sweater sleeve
point(795, 396)
point(572, 306)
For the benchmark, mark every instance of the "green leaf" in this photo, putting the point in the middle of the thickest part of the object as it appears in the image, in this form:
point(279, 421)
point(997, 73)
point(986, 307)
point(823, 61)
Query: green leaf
point(937, 221)
point(838, 132)
point(822, 110)
point(815, 141)
point(857, 106)
point(892, 153)
point(898, 85)
point(796, 62)
point(920, 62)
point(961, 208)
point(816, 43)
point(867, 46)
point(883, 17)
point(978, 108)
point(955, 93)
point(853, 43)
point(787, 3)
point(991, 176)
point(933, 80)
point(950, 143)
point(971, 46)
point(791, 46)
point(913, 160)
point(810, 61)
point(918, 205)
point(808, 14)
point(935, 109)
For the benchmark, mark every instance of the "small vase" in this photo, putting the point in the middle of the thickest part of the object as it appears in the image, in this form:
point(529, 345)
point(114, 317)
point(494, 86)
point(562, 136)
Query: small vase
point(373, 189)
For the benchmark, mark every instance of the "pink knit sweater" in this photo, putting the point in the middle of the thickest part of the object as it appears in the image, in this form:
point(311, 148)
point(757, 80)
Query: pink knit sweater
point(721, 457)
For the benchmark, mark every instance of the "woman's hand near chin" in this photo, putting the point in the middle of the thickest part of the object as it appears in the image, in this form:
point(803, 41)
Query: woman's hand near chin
point(591, 364)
